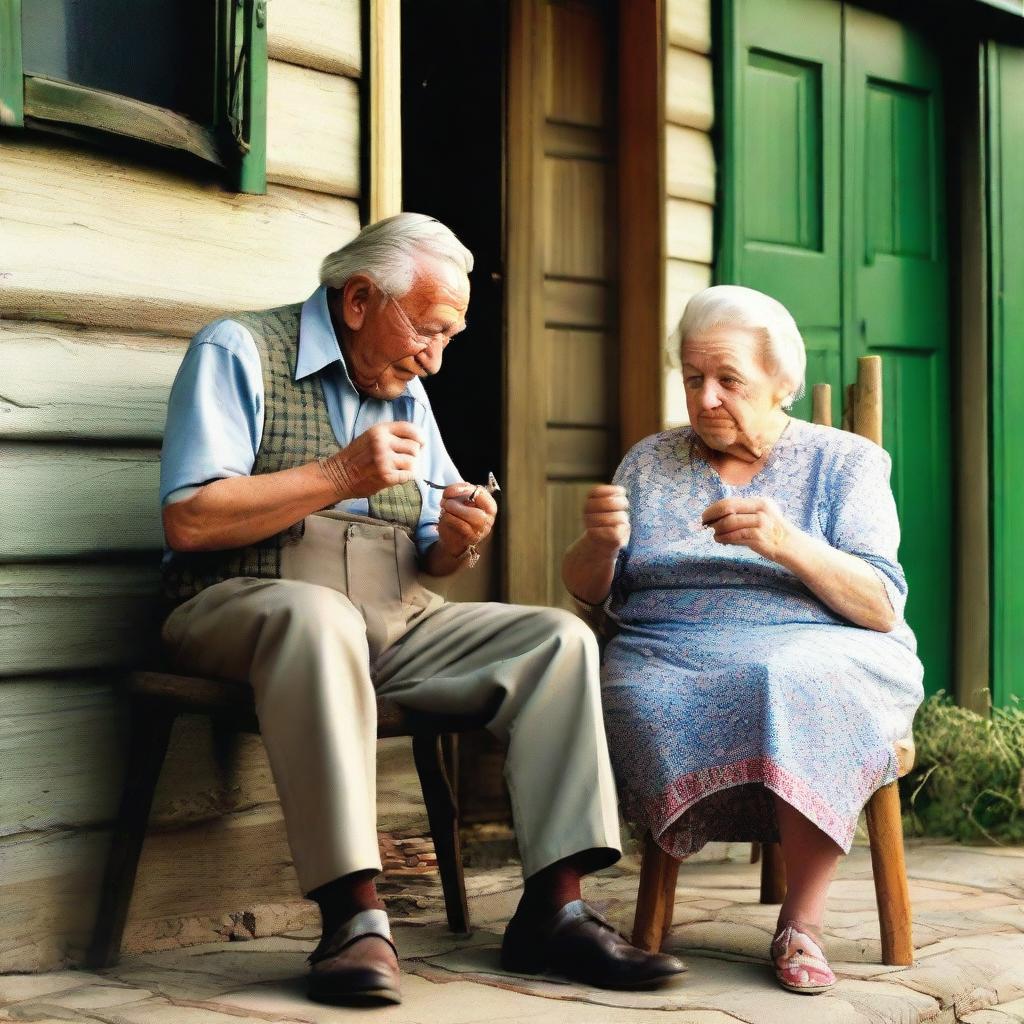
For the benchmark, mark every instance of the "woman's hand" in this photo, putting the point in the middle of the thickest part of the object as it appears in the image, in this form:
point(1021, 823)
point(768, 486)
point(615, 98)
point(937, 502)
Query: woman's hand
point(606, 518)
point(756, 523)
point(843, 582)
point(589, 565)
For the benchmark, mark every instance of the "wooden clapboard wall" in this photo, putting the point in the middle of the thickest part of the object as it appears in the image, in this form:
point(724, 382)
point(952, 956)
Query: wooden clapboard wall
point(107, 266)
point(562, 348)
point(690, 177)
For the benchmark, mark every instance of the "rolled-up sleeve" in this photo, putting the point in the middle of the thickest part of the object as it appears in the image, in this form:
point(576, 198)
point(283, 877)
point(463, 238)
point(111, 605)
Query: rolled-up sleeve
point(862, 517)
point(214, 413)
point(436, 465)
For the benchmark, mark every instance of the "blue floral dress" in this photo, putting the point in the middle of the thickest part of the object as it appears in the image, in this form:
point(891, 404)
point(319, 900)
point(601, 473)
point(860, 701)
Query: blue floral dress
point(727, 678)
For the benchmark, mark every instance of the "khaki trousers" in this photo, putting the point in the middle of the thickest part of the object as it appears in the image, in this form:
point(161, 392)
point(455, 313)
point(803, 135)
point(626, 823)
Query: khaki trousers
point(352, 621)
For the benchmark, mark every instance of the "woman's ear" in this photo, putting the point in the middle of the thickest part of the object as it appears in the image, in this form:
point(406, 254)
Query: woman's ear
point(355, 301)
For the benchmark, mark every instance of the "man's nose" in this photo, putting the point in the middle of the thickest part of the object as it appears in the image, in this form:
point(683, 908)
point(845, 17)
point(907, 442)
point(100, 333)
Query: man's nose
point(430, 358)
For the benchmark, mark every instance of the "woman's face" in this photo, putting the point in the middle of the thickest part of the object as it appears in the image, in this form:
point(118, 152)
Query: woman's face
point(732, 399)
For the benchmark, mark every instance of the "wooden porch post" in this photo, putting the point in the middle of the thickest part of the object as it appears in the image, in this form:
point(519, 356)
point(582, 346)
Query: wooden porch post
point(385, 84)
point(641, 217)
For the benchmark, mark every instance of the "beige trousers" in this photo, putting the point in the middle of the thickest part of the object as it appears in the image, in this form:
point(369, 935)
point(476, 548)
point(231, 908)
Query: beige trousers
point(352, 621)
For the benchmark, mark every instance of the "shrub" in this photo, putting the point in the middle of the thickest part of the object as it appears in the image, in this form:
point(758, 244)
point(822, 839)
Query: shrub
point(968, 780)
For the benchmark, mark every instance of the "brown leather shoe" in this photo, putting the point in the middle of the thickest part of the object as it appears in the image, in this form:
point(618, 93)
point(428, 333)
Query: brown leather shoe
point(357, 965)
point(578, 943)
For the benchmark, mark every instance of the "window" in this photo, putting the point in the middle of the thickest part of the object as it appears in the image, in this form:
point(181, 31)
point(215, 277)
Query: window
point(185, 74)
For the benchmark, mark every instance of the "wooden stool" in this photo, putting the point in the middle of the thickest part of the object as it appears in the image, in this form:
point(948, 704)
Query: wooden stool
point(157, 698)
point(658, 871)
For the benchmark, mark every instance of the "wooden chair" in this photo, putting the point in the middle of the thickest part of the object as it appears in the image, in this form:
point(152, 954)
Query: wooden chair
point(157, 698)
point(659, 870)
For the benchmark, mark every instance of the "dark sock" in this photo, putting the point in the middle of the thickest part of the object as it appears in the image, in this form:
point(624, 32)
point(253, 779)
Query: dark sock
point(345, 896)
point(546, 892)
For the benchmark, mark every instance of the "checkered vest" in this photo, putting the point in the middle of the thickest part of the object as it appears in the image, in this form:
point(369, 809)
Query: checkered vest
point(296, 430)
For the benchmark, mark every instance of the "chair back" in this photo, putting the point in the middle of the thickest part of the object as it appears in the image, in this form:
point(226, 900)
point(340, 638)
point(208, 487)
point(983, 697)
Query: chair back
point(862, 405)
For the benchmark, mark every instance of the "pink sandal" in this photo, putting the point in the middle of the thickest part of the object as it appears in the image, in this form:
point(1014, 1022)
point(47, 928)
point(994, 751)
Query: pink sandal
point(800, 964)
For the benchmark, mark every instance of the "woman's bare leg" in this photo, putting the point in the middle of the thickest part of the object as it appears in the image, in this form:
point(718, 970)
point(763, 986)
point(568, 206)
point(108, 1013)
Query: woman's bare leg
point(811, 859)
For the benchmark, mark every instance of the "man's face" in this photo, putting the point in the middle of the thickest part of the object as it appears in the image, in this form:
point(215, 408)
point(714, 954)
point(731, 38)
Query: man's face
point(393, 340)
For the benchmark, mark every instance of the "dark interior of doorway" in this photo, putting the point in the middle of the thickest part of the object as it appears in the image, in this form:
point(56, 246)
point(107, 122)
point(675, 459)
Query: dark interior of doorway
point(452, 130)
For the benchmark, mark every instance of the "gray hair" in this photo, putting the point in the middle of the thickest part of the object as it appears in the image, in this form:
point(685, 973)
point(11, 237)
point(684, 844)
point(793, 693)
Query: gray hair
point(390, 250)
point(731, 305)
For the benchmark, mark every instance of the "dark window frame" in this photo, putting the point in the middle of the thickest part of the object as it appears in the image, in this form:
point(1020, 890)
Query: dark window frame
point(235, 141)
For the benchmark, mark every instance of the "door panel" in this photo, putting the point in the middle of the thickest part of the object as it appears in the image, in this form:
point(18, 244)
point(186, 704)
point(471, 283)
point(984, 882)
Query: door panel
point(896, 299)
point(562, 416)
point(783, 231)
point(835, 204)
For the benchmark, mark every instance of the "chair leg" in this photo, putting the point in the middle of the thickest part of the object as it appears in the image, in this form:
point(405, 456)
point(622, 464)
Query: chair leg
point(150, 733)
point(429, 753)
point(885, 831)
point(655, 899)
point(773, 874)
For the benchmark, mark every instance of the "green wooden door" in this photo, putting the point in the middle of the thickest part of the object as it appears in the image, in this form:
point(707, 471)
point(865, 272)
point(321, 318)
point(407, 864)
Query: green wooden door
point(896, 297)
point(1005, 96)
point(834, 202)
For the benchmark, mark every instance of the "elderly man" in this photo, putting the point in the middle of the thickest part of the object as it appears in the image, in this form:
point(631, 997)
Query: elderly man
point(298, 493)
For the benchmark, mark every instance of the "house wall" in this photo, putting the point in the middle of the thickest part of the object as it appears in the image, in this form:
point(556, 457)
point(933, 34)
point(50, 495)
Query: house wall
point(107, 266)
point(689, 178)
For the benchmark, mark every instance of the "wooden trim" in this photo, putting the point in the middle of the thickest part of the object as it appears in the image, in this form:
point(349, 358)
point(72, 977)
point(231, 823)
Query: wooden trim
point(68, 103)
point(12, 114)
point(385, 93)
point(641, 217)
point(525, 567)
point(973, 624)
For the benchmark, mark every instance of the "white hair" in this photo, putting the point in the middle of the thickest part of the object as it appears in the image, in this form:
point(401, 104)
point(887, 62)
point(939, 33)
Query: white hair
point(390, 250)
point(730, 305)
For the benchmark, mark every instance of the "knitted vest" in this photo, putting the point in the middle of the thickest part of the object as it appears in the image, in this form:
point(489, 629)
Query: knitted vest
point(296, 430)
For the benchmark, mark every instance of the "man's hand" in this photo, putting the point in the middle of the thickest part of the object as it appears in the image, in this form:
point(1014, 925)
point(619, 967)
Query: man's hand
point(464, 523)
point(756, 523)
point(606, 518)
point(382, 457)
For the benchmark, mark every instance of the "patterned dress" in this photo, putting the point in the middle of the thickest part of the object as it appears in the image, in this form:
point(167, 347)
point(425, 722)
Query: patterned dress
point(727, 677)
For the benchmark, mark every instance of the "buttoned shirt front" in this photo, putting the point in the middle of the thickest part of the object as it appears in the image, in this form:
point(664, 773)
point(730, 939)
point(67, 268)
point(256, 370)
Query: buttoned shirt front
point(216, 407)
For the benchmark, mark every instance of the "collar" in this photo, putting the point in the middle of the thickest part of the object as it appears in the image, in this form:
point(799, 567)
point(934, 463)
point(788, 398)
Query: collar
point(319, 345)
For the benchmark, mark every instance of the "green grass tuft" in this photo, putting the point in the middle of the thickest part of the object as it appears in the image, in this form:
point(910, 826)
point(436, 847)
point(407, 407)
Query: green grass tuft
point(968, 780)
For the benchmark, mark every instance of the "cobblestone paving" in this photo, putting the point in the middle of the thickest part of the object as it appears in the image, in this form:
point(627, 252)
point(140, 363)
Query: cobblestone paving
point(968, 930)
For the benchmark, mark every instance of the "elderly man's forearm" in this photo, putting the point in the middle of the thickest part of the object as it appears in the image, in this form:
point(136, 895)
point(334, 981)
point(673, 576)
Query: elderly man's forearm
point(242, 510)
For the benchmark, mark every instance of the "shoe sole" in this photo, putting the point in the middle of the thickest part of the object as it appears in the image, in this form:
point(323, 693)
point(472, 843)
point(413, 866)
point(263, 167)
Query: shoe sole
point(644, 983)
point(810, 990)
point(366, 997)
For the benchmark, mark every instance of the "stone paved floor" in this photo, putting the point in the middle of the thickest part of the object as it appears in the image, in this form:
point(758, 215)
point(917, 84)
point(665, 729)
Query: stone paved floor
point(969, 930)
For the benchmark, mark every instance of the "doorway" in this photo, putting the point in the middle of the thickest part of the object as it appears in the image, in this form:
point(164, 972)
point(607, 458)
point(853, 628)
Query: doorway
point(834, 201)
point(452, 153)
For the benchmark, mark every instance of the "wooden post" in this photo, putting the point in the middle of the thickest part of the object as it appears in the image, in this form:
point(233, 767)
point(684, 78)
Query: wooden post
point(885, 830)
point(821, 404)
point(867, 398)
point(773, 874)
point(655, 899)
point(641, 218)
point(385, 84)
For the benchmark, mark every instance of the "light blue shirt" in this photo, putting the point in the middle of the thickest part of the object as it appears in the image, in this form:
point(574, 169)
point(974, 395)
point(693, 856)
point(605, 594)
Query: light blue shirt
point(215, 412)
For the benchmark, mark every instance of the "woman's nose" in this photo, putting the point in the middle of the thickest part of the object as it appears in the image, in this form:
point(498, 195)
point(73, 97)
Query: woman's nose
point(709, 397)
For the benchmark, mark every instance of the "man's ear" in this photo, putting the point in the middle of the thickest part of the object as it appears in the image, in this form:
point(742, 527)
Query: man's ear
point(356, 296)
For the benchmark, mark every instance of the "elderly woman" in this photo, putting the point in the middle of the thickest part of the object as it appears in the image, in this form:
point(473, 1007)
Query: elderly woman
point(761, 669)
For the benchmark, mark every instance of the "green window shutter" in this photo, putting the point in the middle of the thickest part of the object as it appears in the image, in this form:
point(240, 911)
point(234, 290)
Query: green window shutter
point(227, 128)
point(12, 112)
